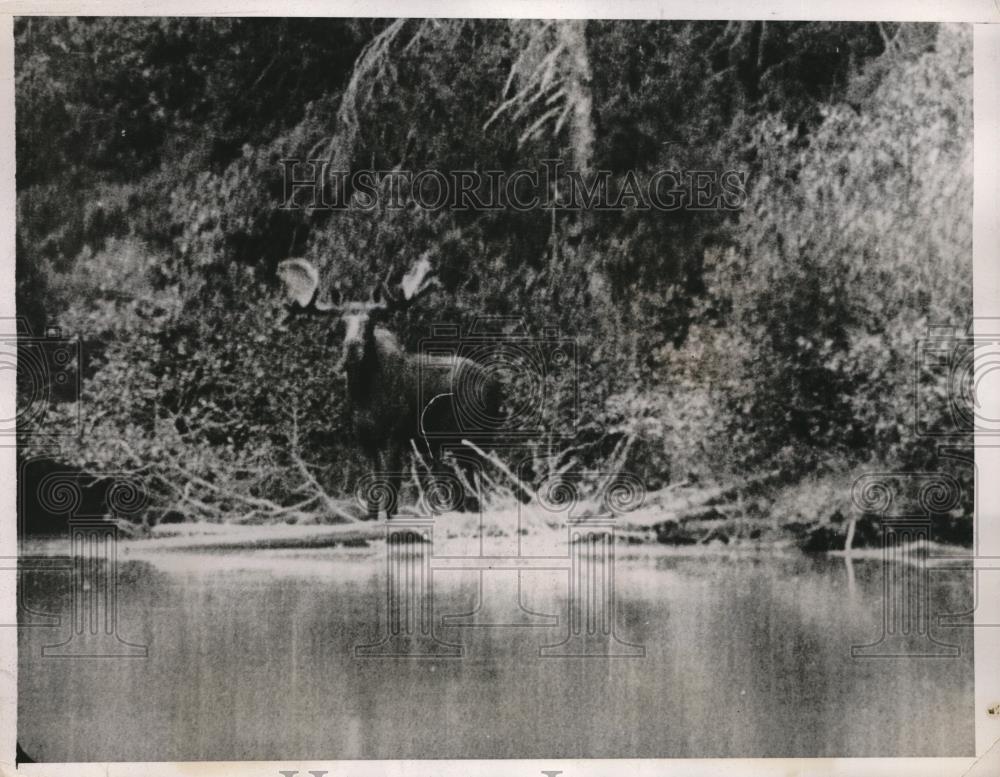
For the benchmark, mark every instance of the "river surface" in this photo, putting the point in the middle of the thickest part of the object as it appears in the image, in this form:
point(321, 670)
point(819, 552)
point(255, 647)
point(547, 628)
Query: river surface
point(261, 656)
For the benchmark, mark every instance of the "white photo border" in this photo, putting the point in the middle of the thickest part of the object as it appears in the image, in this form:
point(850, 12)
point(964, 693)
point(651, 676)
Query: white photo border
point(984, 14)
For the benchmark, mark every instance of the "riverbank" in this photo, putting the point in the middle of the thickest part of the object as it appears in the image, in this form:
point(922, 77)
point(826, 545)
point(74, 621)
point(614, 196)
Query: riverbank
point(812, 515)
point(513, 532)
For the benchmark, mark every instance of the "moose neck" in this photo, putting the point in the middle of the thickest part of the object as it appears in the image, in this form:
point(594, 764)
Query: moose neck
point(363, 367)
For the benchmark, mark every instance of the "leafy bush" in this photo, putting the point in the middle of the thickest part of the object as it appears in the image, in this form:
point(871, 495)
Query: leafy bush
point(852, 247)
point(709, 343)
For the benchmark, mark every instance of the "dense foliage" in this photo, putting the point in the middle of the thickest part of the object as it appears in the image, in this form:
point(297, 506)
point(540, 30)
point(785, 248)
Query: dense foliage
point(710, 342)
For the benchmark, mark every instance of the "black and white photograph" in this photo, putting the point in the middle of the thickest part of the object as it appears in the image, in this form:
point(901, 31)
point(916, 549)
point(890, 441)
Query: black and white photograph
point(394, 389)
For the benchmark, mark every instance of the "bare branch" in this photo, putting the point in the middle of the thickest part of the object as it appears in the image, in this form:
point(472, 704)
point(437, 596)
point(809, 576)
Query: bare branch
point(503, 468)
point(328, 501)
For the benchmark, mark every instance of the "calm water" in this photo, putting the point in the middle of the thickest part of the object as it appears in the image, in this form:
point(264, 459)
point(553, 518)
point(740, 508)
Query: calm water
point(251, 657)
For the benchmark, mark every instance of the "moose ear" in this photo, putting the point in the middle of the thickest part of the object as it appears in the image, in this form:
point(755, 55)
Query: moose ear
point(301, 280)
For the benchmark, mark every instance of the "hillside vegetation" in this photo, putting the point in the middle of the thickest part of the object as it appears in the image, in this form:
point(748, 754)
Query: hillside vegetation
point(773, 344)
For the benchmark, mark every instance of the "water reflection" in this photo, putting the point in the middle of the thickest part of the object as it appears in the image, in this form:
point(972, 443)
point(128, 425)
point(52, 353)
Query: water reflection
point(251, 656)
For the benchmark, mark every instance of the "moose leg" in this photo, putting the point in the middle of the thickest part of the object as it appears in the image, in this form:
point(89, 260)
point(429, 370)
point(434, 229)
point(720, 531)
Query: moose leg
point(372, 502)
point(394, 460)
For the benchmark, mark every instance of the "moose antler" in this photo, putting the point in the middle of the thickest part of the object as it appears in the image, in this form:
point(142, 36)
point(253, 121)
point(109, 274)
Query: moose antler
point(417, 282)
point(301, 280)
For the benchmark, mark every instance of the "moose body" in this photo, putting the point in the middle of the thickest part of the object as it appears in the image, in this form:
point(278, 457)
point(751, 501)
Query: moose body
point(398, 399)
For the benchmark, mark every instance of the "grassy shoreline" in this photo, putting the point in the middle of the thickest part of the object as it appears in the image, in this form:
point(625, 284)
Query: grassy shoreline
point(459, 534)
point(761, 513)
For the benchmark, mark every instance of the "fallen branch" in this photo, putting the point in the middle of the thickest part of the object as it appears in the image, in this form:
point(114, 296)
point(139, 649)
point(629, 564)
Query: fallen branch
point(416, 480)
point(308, 476)
point(327, 500)
point(461, 477)
point(617, 461)
point(495, 487)
point(265, 504)
point(503, 468)
point(420, 458)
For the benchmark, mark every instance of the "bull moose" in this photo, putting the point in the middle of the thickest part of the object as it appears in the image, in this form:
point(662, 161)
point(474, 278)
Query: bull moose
point(397, 397)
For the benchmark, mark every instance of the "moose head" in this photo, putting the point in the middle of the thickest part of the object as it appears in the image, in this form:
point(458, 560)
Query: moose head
point(394, 396)
point(301, 280)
